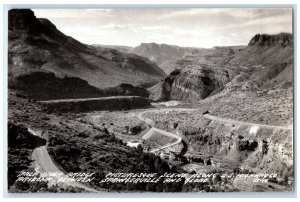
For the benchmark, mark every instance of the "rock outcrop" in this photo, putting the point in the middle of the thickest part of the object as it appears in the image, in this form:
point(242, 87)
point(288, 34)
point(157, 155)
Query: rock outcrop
point(282, 39)
point(189, 84)
point(266, 150)
point(265, 61)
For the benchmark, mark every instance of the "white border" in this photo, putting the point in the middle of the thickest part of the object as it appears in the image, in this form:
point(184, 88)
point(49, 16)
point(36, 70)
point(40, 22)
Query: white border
point(3, 74)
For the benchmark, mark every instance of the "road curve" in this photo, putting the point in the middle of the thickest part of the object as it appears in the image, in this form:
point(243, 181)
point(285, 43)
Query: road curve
point(45, 164)
point(178, 139)
point(152, 129)
point(227, 120)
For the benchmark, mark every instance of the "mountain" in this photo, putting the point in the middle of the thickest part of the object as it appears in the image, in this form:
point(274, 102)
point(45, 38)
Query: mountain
point(163, 54)
point(266, 61)
point(124, 49)
point(170, 57)
point(281, 39)
point(42, 55)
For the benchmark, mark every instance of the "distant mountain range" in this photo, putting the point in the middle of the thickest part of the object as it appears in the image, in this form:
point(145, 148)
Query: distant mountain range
point(264, 64)
point(170, 57)
point(52, 65)
point(196, 73)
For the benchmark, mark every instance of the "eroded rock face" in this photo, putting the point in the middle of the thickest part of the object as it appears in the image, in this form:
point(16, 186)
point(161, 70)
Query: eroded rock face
point(282, 39)
point(267, 151)
point(22, 19)
point(250, 68)
point(189, 84)
point(192, 87)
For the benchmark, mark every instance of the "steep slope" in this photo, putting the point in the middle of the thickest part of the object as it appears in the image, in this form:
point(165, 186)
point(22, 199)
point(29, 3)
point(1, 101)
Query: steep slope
point(253, 68)
point(35, 45)
point(189, 84)
point(265, 49)
point(81, 148)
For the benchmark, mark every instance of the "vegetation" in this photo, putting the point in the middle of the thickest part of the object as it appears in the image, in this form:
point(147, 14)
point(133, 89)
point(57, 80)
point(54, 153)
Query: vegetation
point(120, 122)
point(20, 146)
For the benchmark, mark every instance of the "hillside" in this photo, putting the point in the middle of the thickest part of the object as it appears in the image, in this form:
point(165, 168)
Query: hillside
point(75, 146)
point(260, 65)
point(36, 46)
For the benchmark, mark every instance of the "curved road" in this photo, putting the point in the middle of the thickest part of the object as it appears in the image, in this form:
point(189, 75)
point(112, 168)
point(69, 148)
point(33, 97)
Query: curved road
point(226, 120)
point(46, 164)
point(149, 133)
point(152, 123)
point(152, 129)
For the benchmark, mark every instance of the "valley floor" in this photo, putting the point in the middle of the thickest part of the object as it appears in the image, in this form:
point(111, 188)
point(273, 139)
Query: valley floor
point(175, 120)
point(187, 139)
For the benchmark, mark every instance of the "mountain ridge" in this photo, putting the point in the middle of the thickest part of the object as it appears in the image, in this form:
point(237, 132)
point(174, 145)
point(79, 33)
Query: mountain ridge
point(35, 45)
point(250, 68)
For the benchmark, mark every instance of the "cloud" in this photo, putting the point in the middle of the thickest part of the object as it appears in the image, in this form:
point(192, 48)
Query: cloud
point(201, 27)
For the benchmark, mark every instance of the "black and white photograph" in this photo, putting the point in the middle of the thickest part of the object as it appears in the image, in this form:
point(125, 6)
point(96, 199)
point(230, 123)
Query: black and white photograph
point(150, 99)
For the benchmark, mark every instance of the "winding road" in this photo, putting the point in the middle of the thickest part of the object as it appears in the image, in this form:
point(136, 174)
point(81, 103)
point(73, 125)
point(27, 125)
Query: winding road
point(165, 133)
point(226, 120)
point(207, 116)
point(151, 129)
point(44, 163)
point(152, 123)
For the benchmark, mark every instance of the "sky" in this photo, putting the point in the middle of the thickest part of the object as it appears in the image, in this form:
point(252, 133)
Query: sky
point(186, 27)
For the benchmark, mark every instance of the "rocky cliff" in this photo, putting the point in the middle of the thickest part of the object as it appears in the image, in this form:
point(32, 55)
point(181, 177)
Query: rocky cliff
point(282, 39)
point(264, 62)
point(253, 148)
point(189, 84)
